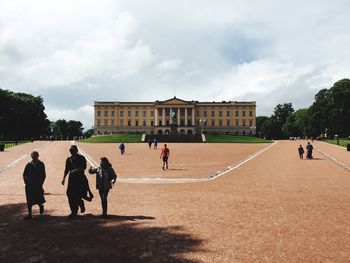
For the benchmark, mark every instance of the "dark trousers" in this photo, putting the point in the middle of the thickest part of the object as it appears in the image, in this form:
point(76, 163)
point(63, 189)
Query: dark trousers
point(104, 195)
point(75, 203)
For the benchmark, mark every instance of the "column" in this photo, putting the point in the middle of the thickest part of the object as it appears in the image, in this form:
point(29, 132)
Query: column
point(185, 116)
point(192, 116)
point(178, 116)
point(170, 112)
point(163, 117)
point(155, 117)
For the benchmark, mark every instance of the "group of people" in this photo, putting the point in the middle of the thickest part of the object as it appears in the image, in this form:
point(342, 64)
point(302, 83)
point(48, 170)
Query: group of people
point(78, 186)
point(309, 149)
point(154, 142)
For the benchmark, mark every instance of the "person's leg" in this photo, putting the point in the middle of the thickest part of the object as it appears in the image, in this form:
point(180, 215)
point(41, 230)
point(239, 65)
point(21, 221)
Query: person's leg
point(41, 208)
point(29, 216)
point(81, 205)
point(73, 205)
point(103, 195)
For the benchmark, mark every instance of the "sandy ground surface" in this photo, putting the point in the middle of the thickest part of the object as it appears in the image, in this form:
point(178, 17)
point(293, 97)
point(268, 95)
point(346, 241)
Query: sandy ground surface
point(273, 208)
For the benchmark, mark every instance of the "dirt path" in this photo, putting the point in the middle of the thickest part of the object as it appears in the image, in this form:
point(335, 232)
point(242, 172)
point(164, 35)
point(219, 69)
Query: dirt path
point(274, 208)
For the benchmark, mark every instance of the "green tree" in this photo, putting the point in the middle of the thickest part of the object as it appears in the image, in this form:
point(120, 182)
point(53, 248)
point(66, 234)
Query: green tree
point(279, 118)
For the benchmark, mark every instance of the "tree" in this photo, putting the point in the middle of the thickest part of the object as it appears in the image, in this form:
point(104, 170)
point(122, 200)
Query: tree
point(279, 118)
point(62, 129)
point(297, 124)
point(22, 116)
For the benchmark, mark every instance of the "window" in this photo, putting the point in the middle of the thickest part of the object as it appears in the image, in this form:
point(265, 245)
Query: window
point(237, 113)
point(121, 122)
point(152, 124)
point(121, 113)
point(106, 113)
point(220, 113)
point(243, 123)
point(243, 113)
point(136, 113)
point(251, 123)
point(144, 123)
point(144, 113)
point(160, 123)
point(98, 122)
point(227, 122)
point(212, 122)
point(112, 112)
point(136, 123)
point(236, 123)
point(197, 114)
point(152, 113)
point(129, 113)
point(250, 113)
point(98, 113)
point(220, 122)
point(129, 123)
point(105, 123)
point(213, 113)
point(112, 122)
point(228, 113)
point(205, 113)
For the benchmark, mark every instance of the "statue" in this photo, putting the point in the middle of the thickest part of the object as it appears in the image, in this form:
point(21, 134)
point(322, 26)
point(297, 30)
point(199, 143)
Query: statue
point(173, 118)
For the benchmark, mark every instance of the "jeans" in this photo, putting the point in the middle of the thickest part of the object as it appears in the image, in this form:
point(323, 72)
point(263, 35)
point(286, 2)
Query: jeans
point(104, 195)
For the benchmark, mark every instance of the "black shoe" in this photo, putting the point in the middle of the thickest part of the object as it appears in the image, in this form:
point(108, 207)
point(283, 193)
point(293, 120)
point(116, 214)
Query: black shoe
point(41, 209)
point(163, 167)
point(72, 215)
point(27, 217)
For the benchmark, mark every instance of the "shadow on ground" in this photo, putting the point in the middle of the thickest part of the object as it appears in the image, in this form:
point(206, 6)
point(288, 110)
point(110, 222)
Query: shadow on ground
point(89, 238)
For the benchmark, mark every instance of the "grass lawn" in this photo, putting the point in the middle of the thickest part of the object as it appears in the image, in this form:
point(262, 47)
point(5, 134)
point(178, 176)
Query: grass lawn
point(9, 144)
point(234, 139)
point(126, 138)
point(342, 142)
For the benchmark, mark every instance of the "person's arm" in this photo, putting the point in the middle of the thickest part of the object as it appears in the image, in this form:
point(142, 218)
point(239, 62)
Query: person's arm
point(66, 171)
point(92, 170)
point(44, 174)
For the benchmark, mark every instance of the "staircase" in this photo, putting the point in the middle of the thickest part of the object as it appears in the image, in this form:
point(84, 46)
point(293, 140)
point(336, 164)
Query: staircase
point(175, 138)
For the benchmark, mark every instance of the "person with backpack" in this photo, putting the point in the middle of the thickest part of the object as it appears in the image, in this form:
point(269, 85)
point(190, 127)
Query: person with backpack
point(122, 148)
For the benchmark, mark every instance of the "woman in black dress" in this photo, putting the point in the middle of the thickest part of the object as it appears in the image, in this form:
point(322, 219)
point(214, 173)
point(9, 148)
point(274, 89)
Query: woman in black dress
point(34, 176)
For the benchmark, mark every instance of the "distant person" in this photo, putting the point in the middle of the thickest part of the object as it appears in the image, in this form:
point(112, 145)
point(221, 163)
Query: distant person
point(76, 190)
point(155, 143)
point(105, 179)
point(122, 148)
point(149, 143)
point(309, 149)
point(34, 176)
point(301, 152)
point(165, 155)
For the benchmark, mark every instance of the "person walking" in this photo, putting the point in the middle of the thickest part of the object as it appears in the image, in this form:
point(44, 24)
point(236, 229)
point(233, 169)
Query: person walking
point(309, 149)
point(165, 155)
point(34, 177)
point(301, 152)
point(105, 179)
point(122, 148)
point(155, 143)
point(149, 143)
point(76, 190)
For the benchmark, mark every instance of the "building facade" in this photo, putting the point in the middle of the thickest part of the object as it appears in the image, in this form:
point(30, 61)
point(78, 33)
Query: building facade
point(189, 117)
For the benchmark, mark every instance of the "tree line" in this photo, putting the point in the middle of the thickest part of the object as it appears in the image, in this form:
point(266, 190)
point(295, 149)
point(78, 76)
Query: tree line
point(22, 116)
point(329, 115)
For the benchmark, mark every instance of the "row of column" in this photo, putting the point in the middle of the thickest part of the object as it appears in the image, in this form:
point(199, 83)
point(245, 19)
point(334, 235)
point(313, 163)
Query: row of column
point(177, 116)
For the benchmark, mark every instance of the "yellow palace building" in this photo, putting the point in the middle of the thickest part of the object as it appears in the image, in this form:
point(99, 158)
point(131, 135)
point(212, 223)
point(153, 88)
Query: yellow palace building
point(175, 116)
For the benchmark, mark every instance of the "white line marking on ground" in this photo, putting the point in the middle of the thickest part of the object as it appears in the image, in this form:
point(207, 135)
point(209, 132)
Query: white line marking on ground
point(16, 162)
point(335, 160)
point(146, 180)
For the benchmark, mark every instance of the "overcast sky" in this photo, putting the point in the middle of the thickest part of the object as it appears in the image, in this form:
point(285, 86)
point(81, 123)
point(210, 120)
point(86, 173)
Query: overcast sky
point(75, 52)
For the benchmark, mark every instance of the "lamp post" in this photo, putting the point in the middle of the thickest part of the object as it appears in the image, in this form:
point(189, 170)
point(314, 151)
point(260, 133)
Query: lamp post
point(336, 137)
point(202, 122)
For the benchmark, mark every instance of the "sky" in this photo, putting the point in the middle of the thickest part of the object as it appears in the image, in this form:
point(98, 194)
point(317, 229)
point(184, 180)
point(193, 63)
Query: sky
point(75, 52)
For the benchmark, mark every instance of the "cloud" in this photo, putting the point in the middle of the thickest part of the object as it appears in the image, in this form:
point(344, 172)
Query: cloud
point(75, 52)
